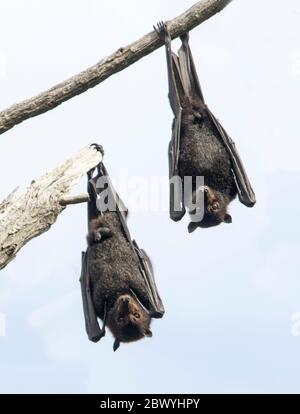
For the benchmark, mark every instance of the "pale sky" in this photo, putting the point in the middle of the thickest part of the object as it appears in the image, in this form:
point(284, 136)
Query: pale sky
point(230, 292)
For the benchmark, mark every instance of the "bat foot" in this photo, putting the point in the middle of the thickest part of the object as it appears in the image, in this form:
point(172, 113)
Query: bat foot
point(162, 31)
point(185, 38)
point(98, 235)
point(98, 147)
point(101, 234)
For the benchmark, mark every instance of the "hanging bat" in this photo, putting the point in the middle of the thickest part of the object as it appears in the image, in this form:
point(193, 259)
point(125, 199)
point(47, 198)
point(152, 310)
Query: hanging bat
point(117, 279)
point(199, 146)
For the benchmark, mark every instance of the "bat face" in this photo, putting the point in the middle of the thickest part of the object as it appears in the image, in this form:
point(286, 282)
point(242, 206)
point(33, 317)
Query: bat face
point(128, 321)
point(215, 210)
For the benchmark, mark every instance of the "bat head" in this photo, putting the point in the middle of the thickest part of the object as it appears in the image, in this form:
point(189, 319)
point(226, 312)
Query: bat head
point(128, 320)
point(215, 210)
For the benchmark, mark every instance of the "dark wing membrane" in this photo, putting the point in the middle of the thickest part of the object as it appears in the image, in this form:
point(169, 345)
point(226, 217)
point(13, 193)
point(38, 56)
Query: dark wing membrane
point(95, 193)
point(93, 330)
point(93, 212)
point(120, 206)
point(245, 192)
point(176, 127)
point(177, 209)
point(188, 73)
point(157, 308)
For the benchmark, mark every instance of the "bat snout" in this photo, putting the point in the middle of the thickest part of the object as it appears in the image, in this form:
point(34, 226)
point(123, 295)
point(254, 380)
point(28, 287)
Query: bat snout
point(124, 299)
point(123, 303)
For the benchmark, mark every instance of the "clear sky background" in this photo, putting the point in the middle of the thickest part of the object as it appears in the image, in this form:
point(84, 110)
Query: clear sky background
point(229, 292)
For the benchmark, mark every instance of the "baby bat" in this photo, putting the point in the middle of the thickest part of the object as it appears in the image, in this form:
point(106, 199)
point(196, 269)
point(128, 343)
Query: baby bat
point(117, 279)
point(199, 146)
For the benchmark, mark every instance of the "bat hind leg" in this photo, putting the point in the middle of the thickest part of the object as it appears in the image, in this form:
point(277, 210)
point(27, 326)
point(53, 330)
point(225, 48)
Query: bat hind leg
point(98, 230)
point(98, 235)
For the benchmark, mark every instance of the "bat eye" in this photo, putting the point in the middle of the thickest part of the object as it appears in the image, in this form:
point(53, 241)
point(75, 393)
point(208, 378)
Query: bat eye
point(215, 206)
point(137, 315)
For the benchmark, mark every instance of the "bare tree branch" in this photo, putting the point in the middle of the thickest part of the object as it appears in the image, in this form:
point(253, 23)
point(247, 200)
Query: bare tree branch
point(114, 63)
point(74, 199)
point(27, 214)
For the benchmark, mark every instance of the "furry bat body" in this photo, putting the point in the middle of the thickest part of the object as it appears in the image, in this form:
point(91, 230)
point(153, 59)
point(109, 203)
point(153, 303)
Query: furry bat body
point(117, 279)
point(200, 146)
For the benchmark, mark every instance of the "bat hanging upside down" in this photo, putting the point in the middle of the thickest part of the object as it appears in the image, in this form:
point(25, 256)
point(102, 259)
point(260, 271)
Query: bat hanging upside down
point(199, 146)
point(117, 279)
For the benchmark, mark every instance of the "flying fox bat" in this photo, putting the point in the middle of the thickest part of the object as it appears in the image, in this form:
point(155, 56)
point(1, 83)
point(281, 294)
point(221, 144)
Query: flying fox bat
point(117, 279)
point(199, 146)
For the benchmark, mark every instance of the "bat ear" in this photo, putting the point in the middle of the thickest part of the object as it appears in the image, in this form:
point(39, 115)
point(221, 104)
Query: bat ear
point(148, 333)
point(116, 345)
point(227, 218)
point(192, 226)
